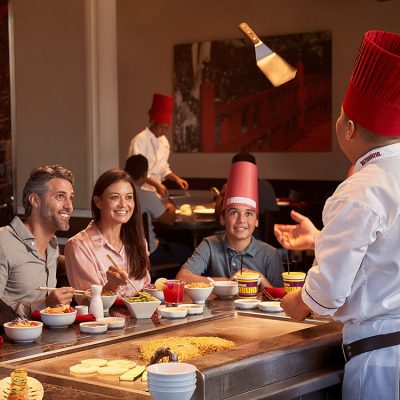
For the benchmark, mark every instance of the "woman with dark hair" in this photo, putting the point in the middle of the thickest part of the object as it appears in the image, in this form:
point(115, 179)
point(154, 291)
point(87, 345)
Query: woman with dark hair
point(117, 231)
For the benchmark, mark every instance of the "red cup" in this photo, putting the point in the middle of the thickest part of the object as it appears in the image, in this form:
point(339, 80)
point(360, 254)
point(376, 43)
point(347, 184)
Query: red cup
point(173, 292)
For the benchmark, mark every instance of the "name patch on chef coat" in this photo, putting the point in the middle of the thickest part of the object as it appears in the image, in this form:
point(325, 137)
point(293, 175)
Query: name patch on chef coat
point(370, 157)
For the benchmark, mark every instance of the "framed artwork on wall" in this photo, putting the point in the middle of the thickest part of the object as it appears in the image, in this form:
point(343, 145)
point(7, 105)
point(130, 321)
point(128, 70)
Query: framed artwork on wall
point(224, 103)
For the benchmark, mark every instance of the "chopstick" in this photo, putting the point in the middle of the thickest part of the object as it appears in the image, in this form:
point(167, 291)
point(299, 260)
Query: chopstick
point(49, 289)
point(127, 279)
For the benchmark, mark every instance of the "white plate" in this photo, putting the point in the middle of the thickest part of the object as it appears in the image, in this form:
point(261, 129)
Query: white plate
point(193, 309)
point(246, 304)
point(173, 312)
point(270, 306)
point(35, 391)
point(113, 322)
point(93, 327)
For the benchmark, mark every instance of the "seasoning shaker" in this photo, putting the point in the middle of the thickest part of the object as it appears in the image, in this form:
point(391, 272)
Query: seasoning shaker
point(96, 304)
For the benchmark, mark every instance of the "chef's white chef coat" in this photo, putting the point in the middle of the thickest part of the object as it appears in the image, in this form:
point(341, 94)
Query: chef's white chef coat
point(356, 276)
point(155, 149)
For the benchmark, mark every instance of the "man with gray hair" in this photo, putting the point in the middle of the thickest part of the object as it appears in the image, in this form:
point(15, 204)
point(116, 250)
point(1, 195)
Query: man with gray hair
point(29, 251)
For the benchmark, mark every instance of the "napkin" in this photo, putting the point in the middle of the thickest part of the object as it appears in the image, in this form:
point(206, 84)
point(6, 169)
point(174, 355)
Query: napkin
point(84, 318)
point(119, 302)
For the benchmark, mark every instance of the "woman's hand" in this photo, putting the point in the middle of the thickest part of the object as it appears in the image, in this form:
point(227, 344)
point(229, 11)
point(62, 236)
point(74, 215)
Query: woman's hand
point(116, 277)
point(301, 236)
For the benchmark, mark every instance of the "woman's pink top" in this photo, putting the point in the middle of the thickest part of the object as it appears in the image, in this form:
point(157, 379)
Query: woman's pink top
point(86, 261)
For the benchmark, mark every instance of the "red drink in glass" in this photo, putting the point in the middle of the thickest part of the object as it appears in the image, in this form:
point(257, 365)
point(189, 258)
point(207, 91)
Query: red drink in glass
point(173, 292)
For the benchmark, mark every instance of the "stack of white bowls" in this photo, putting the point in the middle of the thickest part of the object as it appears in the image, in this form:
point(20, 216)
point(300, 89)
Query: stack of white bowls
point(171, 381)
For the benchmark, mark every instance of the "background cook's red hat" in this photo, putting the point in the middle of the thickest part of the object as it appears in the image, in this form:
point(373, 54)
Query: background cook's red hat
point(242, 186)
point(161, 108)
point(373, 96)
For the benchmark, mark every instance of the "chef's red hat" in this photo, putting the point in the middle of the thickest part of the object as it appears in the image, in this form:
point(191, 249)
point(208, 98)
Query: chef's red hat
point(242, 187)
point(373, 96)
point(161, 108)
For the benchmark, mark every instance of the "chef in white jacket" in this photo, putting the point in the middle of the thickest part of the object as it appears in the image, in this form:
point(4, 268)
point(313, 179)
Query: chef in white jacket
point(356, 274)
point(153, 144)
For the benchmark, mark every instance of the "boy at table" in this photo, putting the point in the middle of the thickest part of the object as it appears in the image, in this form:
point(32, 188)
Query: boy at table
point(356, 275)
point(223, 256)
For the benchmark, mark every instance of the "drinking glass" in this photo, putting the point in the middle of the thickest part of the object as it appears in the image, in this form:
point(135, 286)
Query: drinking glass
point(173, 292)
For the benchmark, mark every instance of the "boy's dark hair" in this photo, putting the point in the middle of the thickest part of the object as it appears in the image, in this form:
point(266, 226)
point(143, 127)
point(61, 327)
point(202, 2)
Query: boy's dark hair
point(244, 156)
point(136, 166)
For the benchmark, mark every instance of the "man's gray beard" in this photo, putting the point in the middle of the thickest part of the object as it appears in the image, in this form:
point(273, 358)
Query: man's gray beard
point(60, 225)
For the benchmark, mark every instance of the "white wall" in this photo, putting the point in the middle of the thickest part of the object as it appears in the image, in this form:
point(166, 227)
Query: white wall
point(147, 34)
point(50, 96)
point(64, 89)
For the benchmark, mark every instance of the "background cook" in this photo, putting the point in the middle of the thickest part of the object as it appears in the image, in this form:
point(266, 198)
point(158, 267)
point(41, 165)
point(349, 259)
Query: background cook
point(153, 144)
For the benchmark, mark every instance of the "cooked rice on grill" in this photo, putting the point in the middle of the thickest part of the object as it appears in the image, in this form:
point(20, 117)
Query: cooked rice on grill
point(186, 347)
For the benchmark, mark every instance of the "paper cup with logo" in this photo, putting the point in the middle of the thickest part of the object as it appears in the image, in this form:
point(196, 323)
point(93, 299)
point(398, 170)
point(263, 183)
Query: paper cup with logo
point(293, 281)
point(248, 284)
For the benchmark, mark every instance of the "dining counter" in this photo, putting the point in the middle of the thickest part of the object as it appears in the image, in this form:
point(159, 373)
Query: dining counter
point(274, 357)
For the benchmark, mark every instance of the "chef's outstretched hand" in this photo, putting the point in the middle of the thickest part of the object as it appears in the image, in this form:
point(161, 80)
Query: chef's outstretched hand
point(294, 307)
point(297, 237)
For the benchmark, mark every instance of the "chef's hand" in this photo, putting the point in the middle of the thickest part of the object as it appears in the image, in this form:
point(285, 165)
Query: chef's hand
point(162, 190)
point(294, 306)
point(116, 277)
point(184, 185)
point(62, 295)
point(301, 236)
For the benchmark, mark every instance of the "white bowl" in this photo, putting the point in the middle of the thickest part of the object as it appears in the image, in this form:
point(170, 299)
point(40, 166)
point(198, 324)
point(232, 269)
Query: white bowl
point(173, 312)
point(199, 295)
point(174, 369)
point(93, 327)
point(247, 304)
point(270, 306)
point(156, 380)
point(158, 294)
point(141, 309)
point(57, 320)
point(176, 395)
point(193, 309)
point(226, 288)
point(171, 379)
point(23, 334)
point(108, 301)
point(168, 387)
